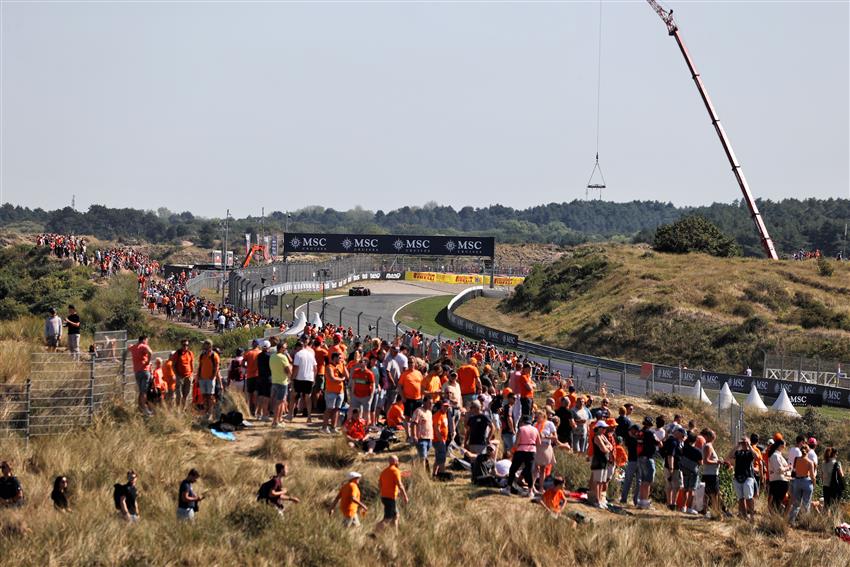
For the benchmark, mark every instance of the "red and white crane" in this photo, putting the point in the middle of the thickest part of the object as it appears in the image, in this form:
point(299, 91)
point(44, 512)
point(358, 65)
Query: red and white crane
point(673, 29)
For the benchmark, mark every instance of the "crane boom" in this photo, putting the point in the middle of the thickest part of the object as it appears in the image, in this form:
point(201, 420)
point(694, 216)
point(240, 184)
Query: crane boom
point(673, 29)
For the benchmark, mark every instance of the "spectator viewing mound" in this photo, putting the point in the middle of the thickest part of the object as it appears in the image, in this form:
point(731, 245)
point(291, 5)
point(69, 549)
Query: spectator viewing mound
point(632, 303)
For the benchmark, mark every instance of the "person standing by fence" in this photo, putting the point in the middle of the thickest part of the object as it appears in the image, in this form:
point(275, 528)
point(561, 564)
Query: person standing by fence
point(72, 321)
point(141, 354)
point(52, 330)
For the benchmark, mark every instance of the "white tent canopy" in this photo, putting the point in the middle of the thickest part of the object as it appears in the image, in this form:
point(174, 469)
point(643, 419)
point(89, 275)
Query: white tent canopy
point(317, 321)
point(298, 326)
point(698, 393)
point(783, 404)
point(726, 400)
point(754, 401)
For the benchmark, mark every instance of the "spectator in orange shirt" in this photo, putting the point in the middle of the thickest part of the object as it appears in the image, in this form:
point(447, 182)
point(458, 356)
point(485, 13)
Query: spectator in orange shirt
point(554, 498)
point(526, 390)
point(395, 415)
point(168, 377)
point(440, 422)
point(470, 381)
point(410, 384)
point(348, 498)
point(183, 362)
point(559, 394)
point(209, 372)
point(391, 485)
point(141, 354)
point(335, 376)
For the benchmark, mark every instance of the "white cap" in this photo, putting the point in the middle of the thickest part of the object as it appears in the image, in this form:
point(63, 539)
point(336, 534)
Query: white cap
point(601, 423)
point(352, 475)
point(266, 344)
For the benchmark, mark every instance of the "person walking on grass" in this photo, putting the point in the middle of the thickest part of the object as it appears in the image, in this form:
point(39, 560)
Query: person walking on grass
point(183, 364)
point(52, 330)
point(141, 354)
point(391, 485)
point(187, 500)
point(273, 492)
point(832, 478)
point(349, 501)
point(802, 486)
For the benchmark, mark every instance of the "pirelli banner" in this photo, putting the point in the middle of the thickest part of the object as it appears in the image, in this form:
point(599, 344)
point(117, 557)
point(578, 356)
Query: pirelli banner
point(317, 243)
point(800, 393)
point(465, 279)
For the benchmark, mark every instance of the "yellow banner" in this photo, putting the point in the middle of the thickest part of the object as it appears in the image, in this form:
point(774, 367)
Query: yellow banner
point(463, 279)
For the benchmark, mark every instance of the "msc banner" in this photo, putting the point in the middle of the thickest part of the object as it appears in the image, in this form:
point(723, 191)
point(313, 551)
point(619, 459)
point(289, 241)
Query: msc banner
point(800, 393)
point(389, 244)
point(466, 279)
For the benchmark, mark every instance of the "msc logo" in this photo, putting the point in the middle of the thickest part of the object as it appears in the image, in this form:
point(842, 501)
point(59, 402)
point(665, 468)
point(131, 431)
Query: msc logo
point(762, 385)
point(347, 243)
point(808, 390)
point(412, 244)
point(365, 242)
point(736, 384)
point(832, 395)
point(295, 242)
point(309, 241)
point(469, 245)
point(450, 245)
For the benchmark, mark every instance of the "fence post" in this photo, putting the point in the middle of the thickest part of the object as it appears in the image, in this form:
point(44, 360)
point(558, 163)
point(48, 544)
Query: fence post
point(341, 309)
point(623, 381)
point(396, 327)
point(308, 310)
point(294, 304)
point(598, 380)
point(91, 390)
point(358, 322)
point(572, 365)
point(29, 409)
point(378, 328)
point(652, 382)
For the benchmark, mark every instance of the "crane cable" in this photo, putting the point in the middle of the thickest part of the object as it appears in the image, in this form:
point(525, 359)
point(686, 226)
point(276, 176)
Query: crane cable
point(596, 166)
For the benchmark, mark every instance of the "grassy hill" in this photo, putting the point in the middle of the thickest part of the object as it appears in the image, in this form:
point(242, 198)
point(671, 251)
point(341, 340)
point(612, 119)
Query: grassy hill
point(627, 301)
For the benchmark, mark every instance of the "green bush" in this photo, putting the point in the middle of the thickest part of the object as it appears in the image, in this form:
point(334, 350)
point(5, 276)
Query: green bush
point(694, 233)
point(710, 300)
point(743, 310)
point(668, 400)
point(825, 267)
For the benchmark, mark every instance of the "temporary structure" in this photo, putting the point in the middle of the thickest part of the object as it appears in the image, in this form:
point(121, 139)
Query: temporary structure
point(317, 321)
point(298, 326)
point(698, 393)
point(783, 404)
point(754, 401)
point(726, 400)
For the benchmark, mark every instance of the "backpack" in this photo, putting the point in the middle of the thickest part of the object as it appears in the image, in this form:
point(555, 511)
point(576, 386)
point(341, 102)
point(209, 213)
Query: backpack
point(264, 493)
point(118, 492)
point(837, 482)
point(233, 418)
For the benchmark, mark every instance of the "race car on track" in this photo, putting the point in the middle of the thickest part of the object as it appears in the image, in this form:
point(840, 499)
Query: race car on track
point(359, 290)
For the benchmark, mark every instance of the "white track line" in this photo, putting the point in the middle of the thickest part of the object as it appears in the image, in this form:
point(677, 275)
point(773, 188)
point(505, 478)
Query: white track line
point(408, 303)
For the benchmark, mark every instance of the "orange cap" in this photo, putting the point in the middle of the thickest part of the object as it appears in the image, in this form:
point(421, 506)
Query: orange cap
point(777, 436)
point(507, 392)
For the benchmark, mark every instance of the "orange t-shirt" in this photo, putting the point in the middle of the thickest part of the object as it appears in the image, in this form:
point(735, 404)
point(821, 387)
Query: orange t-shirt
point(433, 385)
point(347, 494)
point(389, 482)
point(141, 357)
point(340, 348)
point(572, 398)
point(208, 365)
point(441, 426)
point(168, 374)
point(555, 498)
point(322, 356)
point(621, 457)
point(411, 384)
point(183, 363)
point(466, 377)
point(363, 382)
point(395, 416)
point(250, 361)
point(338, 371)
point(526, 386)
point(558, 395)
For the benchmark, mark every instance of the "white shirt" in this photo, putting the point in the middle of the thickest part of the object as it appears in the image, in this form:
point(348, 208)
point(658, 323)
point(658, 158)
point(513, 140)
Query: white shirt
point(813, 457)
point(503, 467)
point(402, 361)
point(794, 453)
point(305, 360)
point(549, 430)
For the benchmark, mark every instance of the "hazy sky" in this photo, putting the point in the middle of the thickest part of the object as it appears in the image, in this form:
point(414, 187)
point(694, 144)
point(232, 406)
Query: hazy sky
point(202, 106)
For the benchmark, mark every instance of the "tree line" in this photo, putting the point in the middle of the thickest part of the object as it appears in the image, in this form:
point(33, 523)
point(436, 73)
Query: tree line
point(794, 224)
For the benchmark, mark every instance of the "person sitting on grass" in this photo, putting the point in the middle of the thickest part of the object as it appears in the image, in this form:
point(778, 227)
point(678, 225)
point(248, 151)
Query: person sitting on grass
point(126, 498)
point(554, 498)
point(354, 428)
point(58, 494)
point(349, 501)
point(395, 415)
point(11, 492)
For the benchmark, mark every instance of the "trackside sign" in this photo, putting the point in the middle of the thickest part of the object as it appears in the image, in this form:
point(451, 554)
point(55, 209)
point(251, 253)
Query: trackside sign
point(389, 244)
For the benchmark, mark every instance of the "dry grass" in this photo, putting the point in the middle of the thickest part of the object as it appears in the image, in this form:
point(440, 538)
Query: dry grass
point(445, 524)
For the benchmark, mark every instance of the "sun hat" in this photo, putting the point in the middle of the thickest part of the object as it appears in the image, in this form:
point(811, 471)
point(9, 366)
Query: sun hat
point(352, 475)
point(601, 423)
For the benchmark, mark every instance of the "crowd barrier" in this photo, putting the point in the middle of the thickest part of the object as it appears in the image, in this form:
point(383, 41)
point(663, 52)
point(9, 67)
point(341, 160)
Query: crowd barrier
point(463, 279)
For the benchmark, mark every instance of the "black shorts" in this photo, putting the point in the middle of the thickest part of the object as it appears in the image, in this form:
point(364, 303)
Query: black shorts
point(302, 386)
point(711, 484)
point(319, 384)
point(252, 385)
point(411, 406)
point(264, 387)
point(390, 508)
